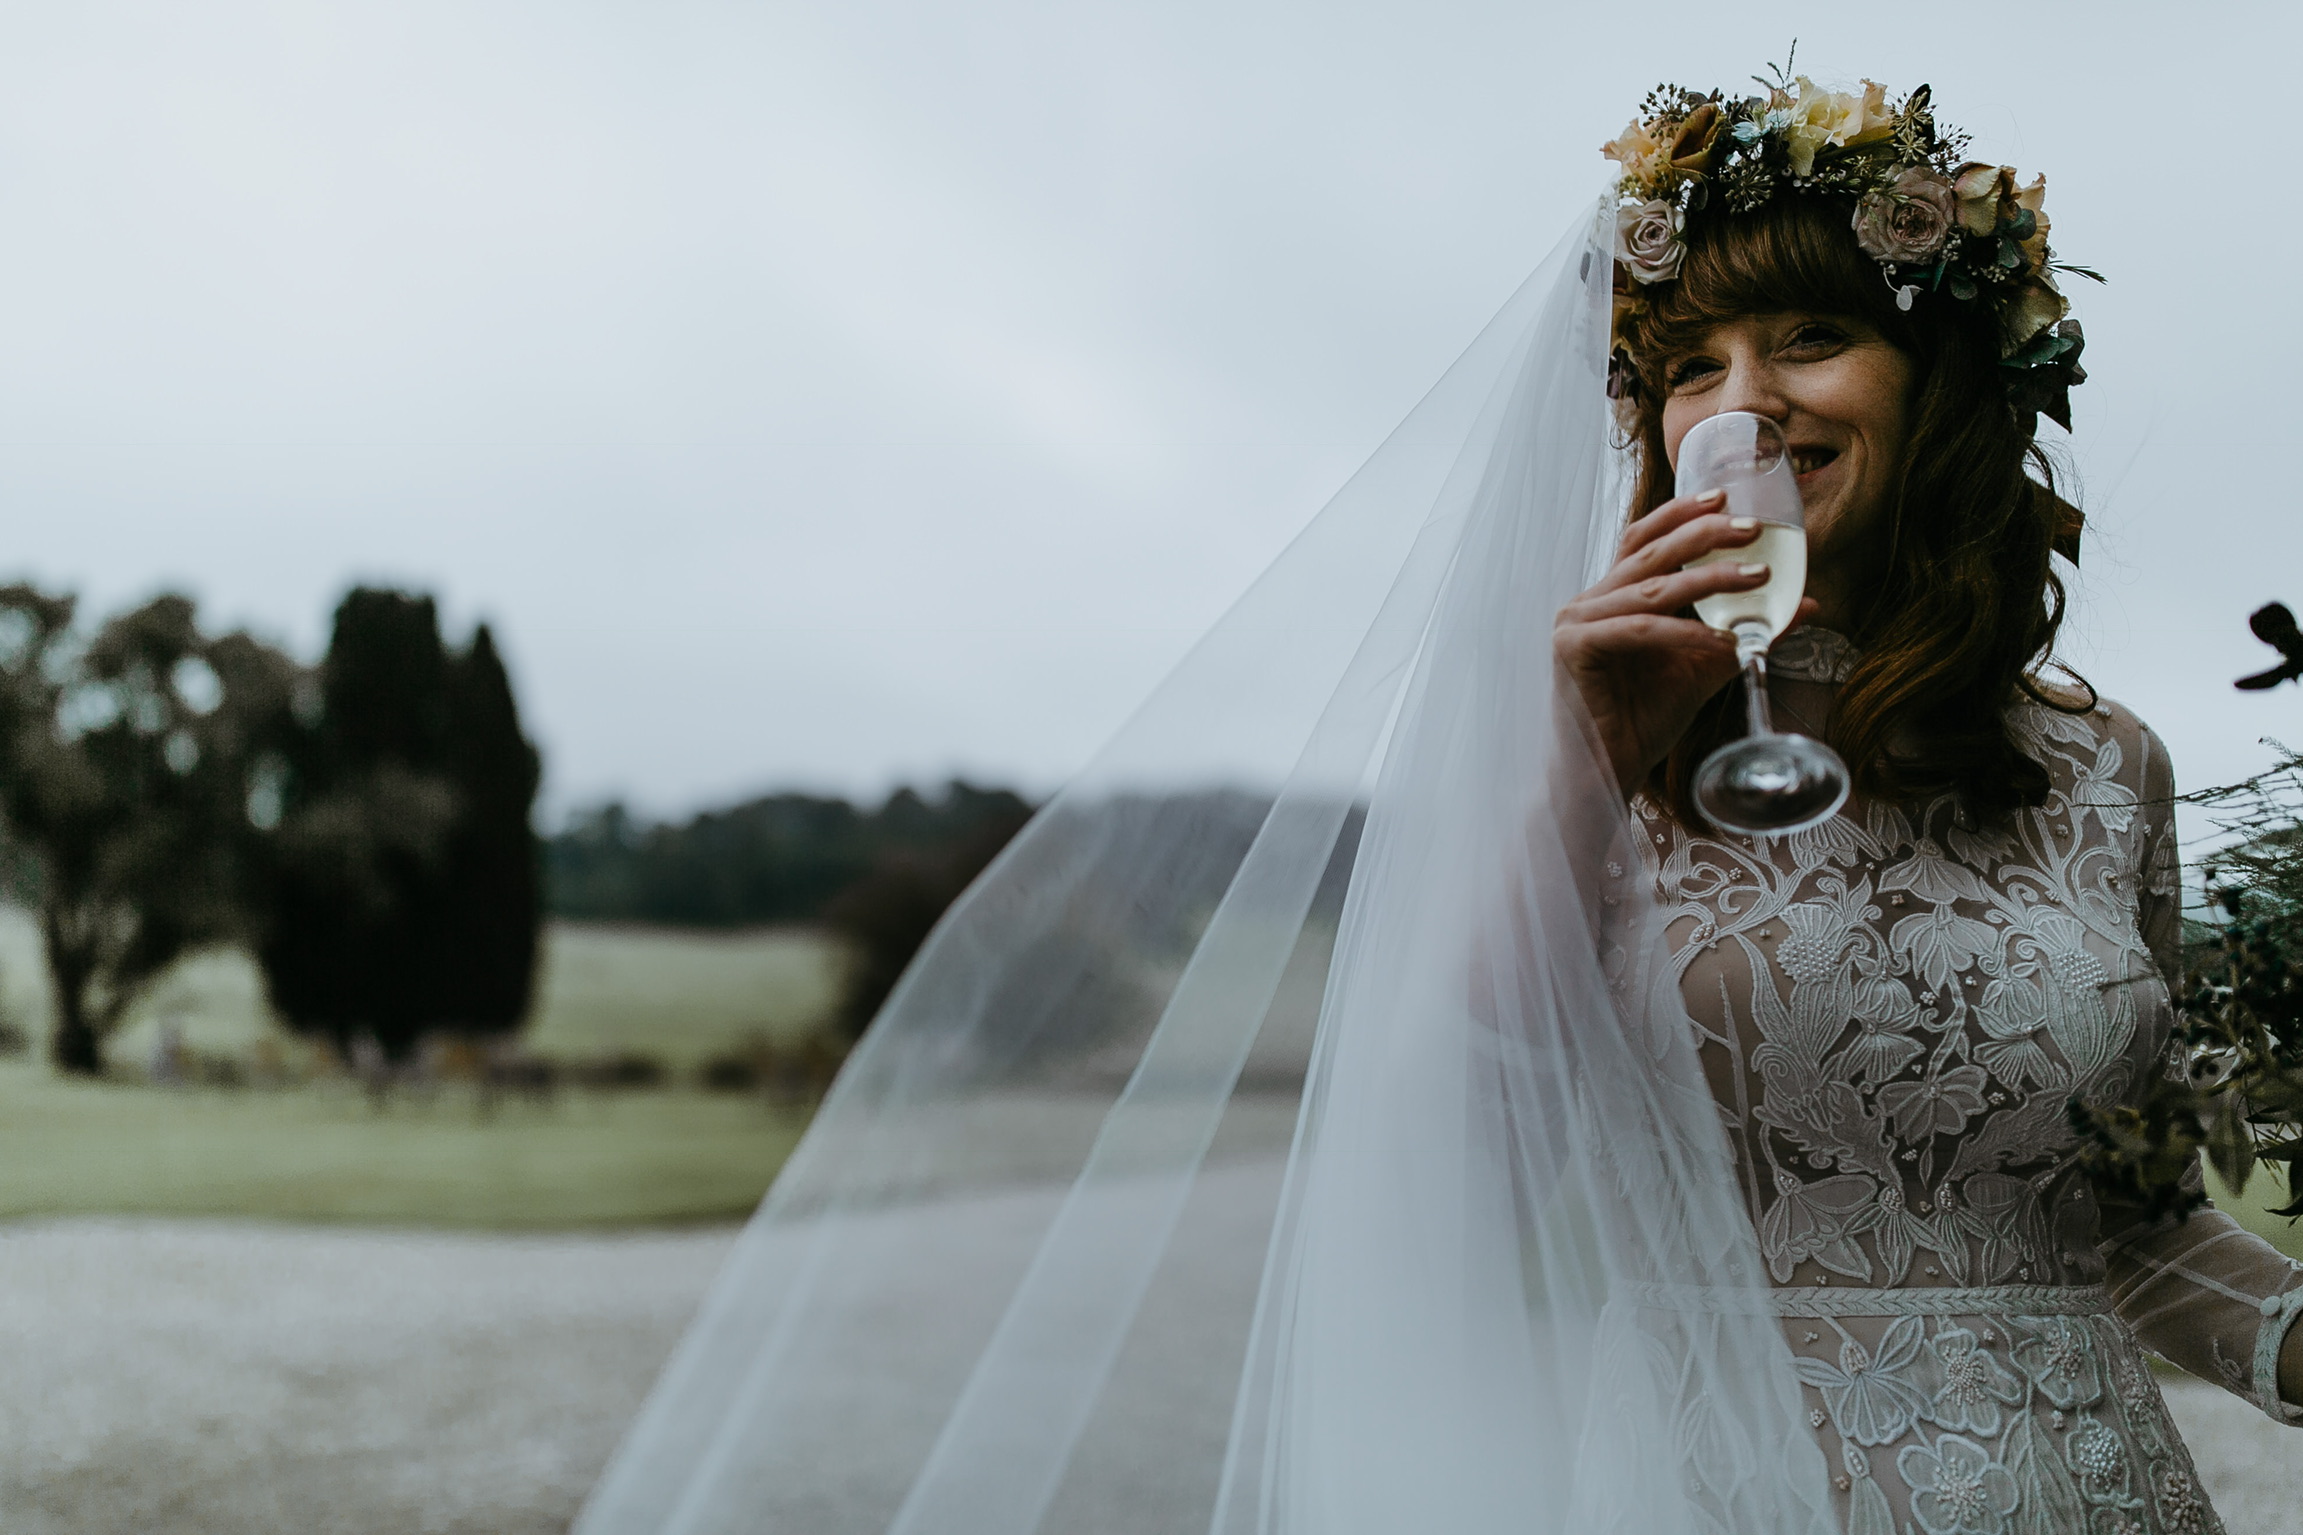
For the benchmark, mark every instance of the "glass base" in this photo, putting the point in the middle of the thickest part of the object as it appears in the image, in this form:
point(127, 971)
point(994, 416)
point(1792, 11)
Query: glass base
point(1771, 785)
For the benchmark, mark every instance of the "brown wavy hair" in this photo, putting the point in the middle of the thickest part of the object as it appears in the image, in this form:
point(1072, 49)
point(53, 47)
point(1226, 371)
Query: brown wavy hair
point(1963, 606)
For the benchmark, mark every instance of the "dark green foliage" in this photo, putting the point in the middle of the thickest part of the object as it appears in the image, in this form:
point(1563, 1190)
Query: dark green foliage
point(884, 918)
point(2235, 1084)
point(780, 858)
point(492, 908)
point(886, 915)
point(617, 1071)
point(733, 1072)
point(2141, 1155)
point(384, 684)
point(775, 859)
point(878, 878)
point(359, 861)
point(2235, 1087)
point(2237, 1091)
point(125, 773)
point(404, 892)
point(361, 854)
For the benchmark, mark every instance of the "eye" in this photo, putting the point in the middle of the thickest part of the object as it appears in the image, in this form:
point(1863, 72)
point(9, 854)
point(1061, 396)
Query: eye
point(1689, 370)
point(1816, 337)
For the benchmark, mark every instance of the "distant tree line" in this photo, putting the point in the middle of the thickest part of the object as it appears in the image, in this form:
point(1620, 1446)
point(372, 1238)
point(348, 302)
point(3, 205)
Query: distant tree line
point(877, 878)
point(362, 827)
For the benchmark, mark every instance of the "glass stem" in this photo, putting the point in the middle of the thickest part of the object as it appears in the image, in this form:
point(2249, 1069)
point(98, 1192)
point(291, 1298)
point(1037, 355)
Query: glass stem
point(1751, 649)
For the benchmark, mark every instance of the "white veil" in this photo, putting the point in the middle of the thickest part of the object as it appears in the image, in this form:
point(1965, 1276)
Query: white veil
point(1285, 1136)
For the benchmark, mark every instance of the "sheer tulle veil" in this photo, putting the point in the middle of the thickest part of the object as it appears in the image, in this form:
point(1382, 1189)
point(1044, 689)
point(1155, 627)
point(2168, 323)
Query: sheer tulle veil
point(1286, 1135)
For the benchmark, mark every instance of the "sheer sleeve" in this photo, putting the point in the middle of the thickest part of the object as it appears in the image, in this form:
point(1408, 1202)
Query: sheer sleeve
point(2203, 1293)
point(2212, 1297)
point(2159, 890)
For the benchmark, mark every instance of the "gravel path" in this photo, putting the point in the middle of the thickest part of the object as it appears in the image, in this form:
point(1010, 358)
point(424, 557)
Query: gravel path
point(219, 1379)
point(2253, 1468)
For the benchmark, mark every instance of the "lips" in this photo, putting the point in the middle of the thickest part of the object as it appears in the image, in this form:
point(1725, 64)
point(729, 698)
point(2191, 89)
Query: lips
point(1805, 461)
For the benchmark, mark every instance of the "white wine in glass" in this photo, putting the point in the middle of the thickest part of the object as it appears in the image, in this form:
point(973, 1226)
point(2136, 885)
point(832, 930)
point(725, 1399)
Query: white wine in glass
point(1783, 549)
point(1768, 784)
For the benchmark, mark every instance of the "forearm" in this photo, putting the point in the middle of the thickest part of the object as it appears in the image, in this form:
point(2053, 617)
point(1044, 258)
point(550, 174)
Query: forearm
point(2217, 1300)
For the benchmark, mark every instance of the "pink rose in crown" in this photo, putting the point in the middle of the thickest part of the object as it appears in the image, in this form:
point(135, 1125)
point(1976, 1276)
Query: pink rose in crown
point(1908, 221)
point(1647, 240)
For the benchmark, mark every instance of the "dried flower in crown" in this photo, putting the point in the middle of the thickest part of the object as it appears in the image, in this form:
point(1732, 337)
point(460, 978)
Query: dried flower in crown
point(1936, 222)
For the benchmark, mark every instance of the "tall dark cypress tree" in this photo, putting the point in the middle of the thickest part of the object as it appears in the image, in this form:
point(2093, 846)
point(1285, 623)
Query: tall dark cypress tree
point(360, 867)
point(406, 888)
point(493, 902)
point(384, 686)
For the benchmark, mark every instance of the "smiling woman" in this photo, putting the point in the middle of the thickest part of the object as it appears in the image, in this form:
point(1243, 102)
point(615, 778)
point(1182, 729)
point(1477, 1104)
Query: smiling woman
point(1897, 1007)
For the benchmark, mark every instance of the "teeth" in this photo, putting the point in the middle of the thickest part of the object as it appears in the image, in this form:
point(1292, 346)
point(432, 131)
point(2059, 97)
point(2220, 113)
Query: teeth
point(1802, 462)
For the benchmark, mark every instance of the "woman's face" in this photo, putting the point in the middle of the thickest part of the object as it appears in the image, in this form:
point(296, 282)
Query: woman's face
point(1840, 391)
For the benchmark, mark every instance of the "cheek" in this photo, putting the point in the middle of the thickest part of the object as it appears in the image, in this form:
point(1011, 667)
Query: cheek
point(1886, 435)
point(1678, 421)
point(1870, 397)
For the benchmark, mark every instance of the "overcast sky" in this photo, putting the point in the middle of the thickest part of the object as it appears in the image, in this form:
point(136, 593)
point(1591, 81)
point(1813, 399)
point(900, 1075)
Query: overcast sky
point(840, 393)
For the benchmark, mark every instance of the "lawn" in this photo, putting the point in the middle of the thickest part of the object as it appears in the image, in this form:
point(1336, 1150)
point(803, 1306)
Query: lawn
point(318, 1150)
point(679, 996)
point(321, 1152)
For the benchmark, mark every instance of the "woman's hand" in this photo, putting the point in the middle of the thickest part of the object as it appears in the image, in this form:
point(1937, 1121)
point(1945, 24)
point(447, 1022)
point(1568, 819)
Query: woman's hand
point(1642, 668)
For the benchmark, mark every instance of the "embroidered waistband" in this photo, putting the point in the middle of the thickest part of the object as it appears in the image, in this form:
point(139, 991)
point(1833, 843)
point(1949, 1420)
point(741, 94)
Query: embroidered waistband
point(1851, 1300)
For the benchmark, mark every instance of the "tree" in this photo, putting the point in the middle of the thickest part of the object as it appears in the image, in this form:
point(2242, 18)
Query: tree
point(778, 858)
point(886, 915)
point(361, 847)
point(492, 909)
point(125, 769)
point(404, 890)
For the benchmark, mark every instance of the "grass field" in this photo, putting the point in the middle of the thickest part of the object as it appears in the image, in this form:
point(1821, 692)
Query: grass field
point(319, 1151)
point(680, 996)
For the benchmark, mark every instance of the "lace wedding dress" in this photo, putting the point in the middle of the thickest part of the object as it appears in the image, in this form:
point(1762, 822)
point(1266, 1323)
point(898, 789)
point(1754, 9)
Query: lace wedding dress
point(1894, 1010)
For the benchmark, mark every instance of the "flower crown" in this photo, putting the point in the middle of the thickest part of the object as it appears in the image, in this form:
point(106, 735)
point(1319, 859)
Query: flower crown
point(1936, 223)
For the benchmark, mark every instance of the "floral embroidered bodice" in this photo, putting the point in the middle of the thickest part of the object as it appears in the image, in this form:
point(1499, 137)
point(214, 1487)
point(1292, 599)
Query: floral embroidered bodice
point(1894, 1010)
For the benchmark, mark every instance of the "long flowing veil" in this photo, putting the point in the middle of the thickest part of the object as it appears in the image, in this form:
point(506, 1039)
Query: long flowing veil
point(1287, 1135)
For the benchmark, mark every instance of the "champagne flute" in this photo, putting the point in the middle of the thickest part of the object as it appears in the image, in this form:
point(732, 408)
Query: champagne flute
point(1768, 784)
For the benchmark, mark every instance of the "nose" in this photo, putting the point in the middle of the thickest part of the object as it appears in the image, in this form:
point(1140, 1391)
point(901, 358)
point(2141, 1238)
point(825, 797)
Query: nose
point(1751, 385)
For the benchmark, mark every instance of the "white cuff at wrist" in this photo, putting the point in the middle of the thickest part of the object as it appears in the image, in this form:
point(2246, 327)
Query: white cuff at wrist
point(2279, 1314)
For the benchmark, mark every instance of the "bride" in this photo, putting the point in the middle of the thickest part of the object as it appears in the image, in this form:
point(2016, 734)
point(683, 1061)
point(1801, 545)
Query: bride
point(1372, 1099)
point(1895, 1007)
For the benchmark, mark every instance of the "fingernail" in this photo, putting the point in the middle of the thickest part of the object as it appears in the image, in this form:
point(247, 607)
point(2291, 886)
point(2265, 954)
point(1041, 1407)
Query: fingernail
point(1743, 524)
point(1711, 497)
point(1751, 570)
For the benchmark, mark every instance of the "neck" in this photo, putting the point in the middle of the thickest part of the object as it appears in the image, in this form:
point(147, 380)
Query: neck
point(1834, 609)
